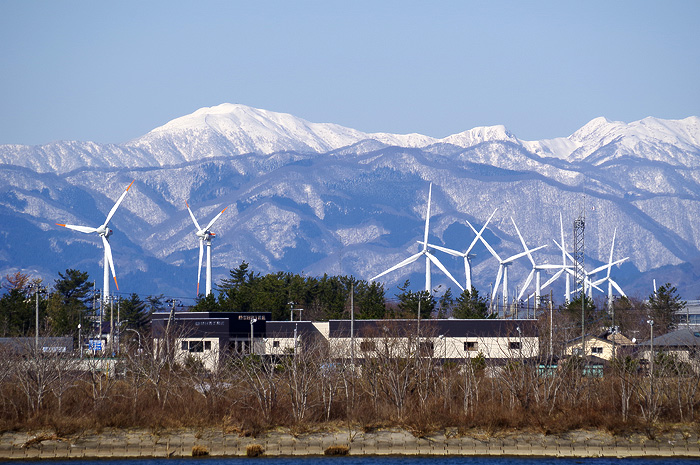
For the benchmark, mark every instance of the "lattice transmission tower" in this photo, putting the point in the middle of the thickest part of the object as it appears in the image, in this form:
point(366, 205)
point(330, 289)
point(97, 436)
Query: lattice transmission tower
point(579, 270)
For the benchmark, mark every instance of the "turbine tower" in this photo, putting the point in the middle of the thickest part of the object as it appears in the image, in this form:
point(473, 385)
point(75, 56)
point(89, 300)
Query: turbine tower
point(611, 282)
point(204, 235)
point(424, 252)
point(503, 265)
point(466, 255)
point(536, 270)
point(104, 232)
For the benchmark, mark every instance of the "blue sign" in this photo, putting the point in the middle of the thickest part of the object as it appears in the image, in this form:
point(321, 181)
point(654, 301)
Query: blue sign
point(95, 344)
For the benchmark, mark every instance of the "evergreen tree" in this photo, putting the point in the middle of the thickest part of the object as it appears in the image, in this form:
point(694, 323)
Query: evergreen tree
point(663, 306)
point(206, 304)
point(17, 313)
point(369, 300)
point(445, 304)
point(409, 302)
point(573, 311)
point(67, 306)
point(133, 313)
point(470, 305)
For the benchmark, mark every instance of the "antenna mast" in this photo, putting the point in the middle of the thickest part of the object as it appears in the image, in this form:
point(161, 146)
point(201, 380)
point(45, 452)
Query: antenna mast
point(580, 274)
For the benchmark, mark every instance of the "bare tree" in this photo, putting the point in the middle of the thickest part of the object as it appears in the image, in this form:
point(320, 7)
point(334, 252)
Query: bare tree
point(35, 374)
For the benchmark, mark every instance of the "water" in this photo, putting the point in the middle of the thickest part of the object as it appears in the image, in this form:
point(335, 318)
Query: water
point(373, 460)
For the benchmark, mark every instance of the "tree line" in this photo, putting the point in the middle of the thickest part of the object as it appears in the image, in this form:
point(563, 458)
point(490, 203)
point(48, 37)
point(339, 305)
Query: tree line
point(72, 299)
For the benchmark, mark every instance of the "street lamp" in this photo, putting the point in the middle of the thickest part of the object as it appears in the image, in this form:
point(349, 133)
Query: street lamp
point(252, 320)
point(650, 322)
point(80, 342)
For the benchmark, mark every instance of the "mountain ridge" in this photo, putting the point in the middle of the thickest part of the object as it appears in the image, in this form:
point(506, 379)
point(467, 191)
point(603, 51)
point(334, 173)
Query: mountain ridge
point(355, 209)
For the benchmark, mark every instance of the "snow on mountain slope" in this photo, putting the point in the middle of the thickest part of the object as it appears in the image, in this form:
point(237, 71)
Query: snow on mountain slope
point(676, 142)
point(319, 198)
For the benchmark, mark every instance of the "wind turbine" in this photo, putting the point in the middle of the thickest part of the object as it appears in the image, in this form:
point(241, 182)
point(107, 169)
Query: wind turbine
point(503, 265)
point(467, 255)
point(588, 284)
point(104, 232)
point(611, 282)
point(563, 266)
point(424, 252)
point(205, 236)
point(536, 270)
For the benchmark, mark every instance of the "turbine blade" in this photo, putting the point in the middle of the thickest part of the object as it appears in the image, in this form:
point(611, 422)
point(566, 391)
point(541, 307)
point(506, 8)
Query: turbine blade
point(609, 265)
point(552, 279)
point(110, 260)
point(427, 218)
point(498, 281)
point(522, 241)
point(618, 288)
point(443, 269)
point(194, 220)
point(444, 249)
point(486, 244)
point(408, 261)
point(82, 229)
point(522, 254)
point(612, 247)
point(211, 223)
point(563, 252)
point(116, 205)
point(527, 283)
point(199, 268)
point(481, 231)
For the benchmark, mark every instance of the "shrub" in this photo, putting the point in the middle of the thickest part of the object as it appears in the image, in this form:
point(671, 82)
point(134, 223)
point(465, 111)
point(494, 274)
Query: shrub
point(199, 451)
point(254, 450)
point(337, 450)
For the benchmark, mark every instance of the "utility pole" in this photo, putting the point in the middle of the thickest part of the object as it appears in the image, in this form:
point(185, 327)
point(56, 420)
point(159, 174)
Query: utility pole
point(352, 324)
point(37, 290)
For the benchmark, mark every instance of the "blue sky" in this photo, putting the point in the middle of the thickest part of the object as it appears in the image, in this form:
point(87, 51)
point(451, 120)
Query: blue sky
point(112, 71)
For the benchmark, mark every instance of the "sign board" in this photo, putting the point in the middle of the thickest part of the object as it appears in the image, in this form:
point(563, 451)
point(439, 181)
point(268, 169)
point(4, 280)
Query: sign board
point(95, 344)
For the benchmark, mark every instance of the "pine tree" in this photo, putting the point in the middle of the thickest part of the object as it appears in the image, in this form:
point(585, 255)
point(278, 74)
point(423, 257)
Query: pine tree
point(663, 306)
point(471, 306)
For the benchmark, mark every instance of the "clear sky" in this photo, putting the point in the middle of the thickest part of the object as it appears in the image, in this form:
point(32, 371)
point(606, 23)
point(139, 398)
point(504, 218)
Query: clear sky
point(112, 71)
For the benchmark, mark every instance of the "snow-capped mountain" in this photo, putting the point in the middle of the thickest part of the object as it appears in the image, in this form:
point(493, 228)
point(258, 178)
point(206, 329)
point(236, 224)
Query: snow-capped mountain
point(322, 198)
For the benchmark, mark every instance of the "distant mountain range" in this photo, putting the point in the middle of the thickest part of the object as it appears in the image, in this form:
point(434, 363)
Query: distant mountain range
point(321, 198)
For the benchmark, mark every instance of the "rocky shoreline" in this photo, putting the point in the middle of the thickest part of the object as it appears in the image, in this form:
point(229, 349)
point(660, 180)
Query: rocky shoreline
point(135, 443)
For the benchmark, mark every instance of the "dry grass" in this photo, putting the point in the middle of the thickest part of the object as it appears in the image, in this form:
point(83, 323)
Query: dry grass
point(337, 450)
point(199, 451)
point(254, 450)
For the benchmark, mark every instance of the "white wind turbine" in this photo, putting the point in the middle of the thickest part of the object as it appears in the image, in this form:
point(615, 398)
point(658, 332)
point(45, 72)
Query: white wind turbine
point(424, 252)
point(562, 268)
point(503, 265)
point(204, 235)
point(467, 255)
point(536, 270)
point(611, 282)
point(588, 283)
point(104, 232)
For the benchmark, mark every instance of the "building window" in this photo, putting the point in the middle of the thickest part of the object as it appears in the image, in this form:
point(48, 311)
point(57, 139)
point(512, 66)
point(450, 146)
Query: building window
point(426, 348)
point(514, 345)
point(367, 346)
point(596, 350)
point(184, 345)
point(275, 343)
point(196, 346)
point(207, 345)
point(471, 346)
